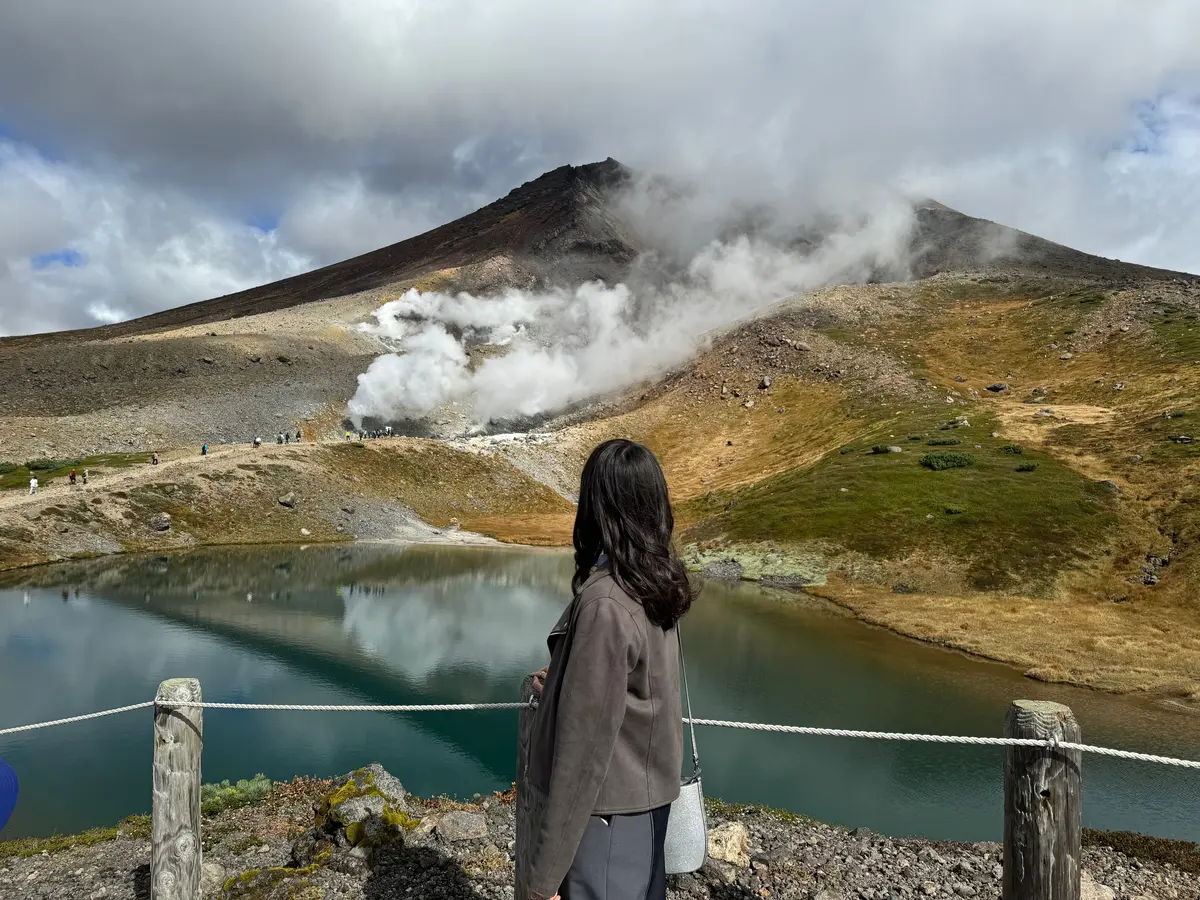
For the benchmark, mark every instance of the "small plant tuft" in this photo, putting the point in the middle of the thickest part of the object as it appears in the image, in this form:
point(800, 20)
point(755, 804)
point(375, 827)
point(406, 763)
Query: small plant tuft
point(1026, 466)
point(216, 798)
point(947, 460)
point(1013, 449)
point(943, 442)
point(954, 510)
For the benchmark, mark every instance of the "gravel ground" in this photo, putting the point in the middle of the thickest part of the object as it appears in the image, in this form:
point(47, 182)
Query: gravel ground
point(462, 850)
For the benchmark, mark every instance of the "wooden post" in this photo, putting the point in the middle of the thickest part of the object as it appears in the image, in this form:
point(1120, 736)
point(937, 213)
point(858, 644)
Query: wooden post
point(175, 814)
point(1042, 805)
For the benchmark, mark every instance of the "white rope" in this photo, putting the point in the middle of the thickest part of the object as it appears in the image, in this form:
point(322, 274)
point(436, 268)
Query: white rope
point(951, 739)
point(416, 707)
point(717, 723)
point(95, 715)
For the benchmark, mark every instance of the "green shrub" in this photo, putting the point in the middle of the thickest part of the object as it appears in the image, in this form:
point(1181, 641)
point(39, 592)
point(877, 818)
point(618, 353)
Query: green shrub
point(849, 448)
point(1014, 449)
point(5, 468)
point(49, 465)
point(1026, 466)
point(954, 510)
point(943, 442)
point(880, 448)
point(947, 460)
point(915, 437)
point(216, 798)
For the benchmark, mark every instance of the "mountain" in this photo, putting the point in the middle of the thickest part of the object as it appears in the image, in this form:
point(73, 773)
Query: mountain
point(993, 447)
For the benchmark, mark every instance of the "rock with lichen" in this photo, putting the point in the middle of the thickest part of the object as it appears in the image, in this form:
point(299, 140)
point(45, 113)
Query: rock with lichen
point(366, 809)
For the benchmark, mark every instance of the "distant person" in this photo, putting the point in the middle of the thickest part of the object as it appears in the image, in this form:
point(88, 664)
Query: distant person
point(72, 476)
point(347, 435)
point(33, 485)
point(297, 435)
point(204, 450)
point(606, 746)
point(258, 442)
point(287, 437)
point(154, 459)
point(85, 474)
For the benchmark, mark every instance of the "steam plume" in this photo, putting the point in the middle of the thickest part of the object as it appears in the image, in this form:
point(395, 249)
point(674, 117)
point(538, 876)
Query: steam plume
point(564, 346)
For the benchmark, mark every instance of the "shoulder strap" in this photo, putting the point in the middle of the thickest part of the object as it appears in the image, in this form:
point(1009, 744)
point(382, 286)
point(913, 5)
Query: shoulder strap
point(688, 699)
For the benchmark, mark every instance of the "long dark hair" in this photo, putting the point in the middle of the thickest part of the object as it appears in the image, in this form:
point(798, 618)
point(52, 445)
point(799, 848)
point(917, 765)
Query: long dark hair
point(625, 513)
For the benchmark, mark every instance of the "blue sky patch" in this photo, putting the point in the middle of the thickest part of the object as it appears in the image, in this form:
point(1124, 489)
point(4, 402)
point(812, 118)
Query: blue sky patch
point(72, 259)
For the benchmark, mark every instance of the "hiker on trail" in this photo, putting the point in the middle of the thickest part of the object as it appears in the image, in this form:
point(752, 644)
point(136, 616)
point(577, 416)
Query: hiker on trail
point(154, 459)
point(72, 476)
point(297, 435)
point(33, 485)
point(258, 442)
point(347, 435)
point(603, 758)
point(204, 450)
point(279, 438)
point(287, 437)
point(85, 476)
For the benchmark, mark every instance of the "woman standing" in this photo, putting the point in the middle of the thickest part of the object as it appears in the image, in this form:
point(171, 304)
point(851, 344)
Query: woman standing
point(606, 743)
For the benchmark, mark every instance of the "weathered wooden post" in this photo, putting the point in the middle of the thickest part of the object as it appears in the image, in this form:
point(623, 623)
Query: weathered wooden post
point(1042, 804)
point(175, 812)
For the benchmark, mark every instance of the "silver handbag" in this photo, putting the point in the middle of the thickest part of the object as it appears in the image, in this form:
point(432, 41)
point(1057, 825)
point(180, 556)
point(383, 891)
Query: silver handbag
point(687, 826)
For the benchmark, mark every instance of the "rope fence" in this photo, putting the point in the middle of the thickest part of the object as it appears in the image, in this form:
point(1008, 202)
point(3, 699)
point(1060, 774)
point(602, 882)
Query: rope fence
point(1043, 786)
point(714, 723)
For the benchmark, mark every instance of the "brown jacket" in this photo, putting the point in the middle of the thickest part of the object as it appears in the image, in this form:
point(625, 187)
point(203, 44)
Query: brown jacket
point(607, 737)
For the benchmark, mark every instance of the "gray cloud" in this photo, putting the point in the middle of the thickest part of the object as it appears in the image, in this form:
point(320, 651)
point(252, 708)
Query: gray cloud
point(358, 123)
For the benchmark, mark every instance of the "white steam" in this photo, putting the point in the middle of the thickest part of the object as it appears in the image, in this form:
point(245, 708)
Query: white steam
point(566, 346)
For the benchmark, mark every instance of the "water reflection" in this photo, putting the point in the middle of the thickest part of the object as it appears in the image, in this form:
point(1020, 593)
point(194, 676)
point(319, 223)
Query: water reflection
point(443, 625)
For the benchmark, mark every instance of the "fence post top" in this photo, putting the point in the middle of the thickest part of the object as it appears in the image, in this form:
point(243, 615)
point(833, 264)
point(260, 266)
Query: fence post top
point(1043, 708)
point(175, 690)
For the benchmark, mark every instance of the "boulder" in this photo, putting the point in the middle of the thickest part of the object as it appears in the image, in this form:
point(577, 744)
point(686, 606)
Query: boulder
point(997, 387)
point(765, 383)
point(212, 880)
point(462, 826)
point(160, 521)
point(730, 843)
point(1090, 890)
point(288, 500)
point(366, 809)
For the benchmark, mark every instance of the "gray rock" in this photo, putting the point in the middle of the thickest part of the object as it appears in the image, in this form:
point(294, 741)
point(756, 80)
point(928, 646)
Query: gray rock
point(998, 387)
point(207, 359)
point(1067, 355)
point(462, 826)
point(288, 500)
point(960, 379)
point(212, 879)
point(895, 449)
point(765, 383)
point(723, 570)
point(160, 521)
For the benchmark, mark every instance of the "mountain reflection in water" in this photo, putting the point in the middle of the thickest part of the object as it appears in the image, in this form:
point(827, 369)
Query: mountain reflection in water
point(398, 625)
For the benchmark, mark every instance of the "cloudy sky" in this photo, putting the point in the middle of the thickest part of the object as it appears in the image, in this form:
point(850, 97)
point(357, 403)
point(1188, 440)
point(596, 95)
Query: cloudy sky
point(154, 153)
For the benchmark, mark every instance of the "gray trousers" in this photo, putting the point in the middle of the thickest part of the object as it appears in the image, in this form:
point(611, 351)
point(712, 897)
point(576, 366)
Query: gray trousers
point(620, 858)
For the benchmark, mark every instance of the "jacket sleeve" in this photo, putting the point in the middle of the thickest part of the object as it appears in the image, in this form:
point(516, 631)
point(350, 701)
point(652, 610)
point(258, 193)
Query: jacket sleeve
point(605, 647)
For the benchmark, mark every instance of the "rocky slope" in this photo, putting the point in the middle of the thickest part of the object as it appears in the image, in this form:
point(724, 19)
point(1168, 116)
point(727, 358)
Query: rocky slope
point(363, 836)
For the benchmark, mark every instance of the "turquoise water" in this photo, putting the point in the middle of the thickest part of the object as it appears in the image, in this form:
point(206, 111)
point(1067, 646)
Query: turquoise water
point(389, 624)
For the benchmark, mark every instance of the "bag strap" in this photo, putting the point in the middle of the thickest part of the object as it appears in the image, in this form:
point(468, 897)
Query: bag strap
point(688, 698)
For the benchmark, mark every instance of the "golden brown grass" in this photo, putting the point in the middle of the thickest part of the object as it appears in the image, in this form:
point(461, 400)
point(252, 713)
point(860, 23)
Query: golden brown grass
point(709, 444)
point(1124, 647)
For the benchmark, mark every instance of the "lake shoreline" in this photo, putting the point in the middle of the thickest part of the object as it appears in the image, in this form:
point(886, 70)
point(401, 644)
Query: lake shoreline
point(257, 848)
